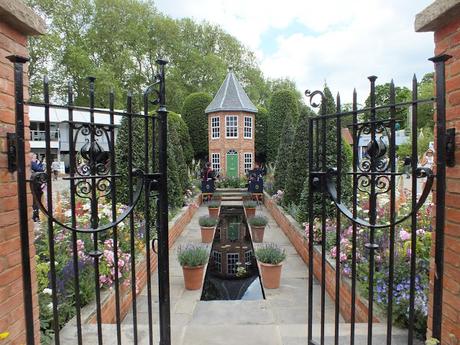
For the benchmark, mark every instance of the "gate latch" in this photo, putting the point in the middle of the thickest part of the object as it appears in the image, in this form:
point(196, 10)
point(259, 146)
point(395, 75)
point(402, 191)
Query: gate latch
point(450, 147)
point(152, 182)
point(11, 144)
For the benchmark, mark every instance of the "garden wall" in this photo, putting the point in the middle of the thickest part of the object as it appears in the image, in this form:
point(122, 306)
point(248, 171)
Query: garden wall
point(296, 235)
point(443, 18)
point(176, 227)
point(16, 24)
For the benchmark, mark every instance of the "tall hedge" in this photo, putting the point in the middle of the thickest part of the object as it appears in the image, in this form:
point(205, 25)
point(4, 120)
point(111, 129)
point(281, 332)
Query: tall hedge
point(184, 136)
point(282, 102)
point(261, 134)
point(176, 145)
point(297, 171)
point(284, 152)
point(330, 151)
point(197, 121)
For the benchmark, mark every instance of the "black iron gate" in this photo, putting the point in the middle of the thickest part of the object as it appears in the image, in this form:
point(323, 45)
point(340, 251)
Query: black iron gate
point(93, 176)
point(345, 208)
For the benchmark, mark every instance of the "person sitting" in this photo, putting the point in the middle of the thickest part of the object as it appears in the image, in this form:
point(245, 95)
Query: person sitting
point(208, 176)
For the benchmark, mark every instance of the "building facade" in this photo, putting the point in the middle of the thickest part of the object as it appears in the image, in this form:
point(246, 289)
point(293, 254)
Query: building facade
point(231, 126)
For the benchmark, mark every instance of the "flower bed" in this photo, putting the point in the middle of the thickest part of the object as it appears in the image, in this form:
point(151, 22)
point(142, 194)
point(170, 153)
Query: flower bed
point(64, 264)
point(402, 254)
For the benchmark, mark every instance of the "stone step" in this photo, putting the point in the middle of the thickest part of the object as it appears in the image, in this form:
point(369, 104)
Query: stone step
point(231, 190)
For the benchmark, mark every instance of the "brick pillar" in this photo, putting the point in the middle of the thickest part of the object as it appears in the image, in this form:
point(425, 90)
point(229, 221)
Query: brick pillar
point(443, 18)
point(17, 22)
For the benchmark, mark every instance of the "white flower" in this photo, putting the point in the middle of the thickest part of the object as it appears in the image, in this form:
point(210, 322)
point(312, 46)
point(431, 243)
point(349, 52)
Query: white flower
point(48, 292)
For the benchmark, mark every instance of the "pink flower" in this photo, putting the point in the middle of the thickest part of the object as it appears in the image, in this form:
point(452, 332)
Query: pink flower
point(343, 257)
point(333, 252)
point(404, 235)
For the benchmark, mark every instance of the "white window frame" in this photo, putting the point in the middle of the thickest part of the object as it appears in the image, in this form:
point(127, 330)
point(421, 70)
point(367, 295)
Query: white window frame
point(217, 257)
point(248, 127)
point(215, 162)
point(215, 127)
point(231, 266)
point(227, 127)
point(245, 163)
point(248, 256)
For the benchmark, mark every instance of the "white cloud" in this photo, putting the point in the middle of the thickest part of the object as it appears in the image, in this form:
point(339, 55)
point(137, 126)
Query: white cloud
point(343, 41)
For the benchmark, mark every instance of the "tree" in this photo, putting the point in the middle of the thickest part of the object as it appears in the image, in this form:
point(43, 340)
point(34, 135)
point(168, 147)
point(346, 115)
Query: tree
point(284, 152)
point(175, 142)
point(261, 134)
point(329, 152)
point(426, 110)
point(197, 121)
point(297, 170)
point(382, 97)
point(282, 104)
point(184, 136)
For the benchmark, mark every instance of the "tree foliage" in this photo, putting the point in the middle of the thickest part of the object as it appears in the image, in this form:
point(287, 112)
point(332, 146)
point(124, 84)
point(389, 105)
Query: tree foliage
point(184, 136)
point(261, 134)
point(297, 170)
point(284, 152)
point(197, 121)
point(282, 104)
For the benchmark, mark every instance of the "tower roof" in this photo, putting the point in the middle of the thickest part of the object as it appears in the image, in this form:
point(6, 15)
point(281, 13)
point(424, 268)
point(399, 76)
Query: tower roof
point(231, 97)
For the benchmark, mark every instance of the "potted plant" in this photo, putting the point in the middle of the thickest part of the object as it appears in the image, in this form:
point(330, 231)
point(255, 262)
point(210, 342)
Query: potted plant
point(258, 224)
point(213, 208)
point(250, 208)
point(270, 257)
point(193, 259)
point(208, 225)
point(246, 196)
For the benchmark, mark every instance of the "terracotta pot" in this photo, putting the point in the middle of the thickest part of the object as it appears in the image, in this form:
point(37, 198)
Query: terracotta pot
point(257, 233)
point(193, 277)
point(250, 212)
point(207, 234)
point(271, 275)
point(213, 212)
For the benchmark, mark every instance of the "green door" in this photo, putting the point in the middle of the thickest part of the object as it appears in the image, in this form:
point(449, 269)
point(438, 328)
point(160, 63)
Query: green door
point(232, 165)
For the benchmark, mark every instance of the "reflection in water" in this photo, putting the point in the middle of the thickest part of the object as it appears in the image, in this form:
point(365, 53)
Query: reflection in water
point(232, 270)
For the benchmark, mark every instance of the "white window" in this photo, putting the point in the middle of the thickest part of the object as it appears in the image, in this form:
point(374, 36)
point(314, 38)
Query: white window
point(215, 162)
point(215, 127)
point(248, 127)
point(217, 256)
point(232, 259)
point(248, 256)
point(247, 162)
point(231, 126)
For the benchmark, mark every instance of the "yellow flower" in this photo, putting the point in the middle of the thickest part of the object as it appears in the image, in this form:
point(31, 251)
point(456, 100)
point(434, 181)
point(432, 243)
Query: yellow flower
point(4, 335)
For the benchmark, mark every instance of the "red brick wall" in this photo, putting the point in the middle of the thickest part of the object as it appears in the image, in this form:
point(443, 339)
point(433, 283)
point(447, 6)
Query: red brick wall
point(298, 240)
point(240, 144)
point(447, 40)
point(12, 42)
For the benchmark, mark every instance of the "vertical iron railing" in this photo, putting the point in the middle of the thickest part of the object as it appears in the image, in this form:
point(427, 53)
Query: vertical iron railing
point(92, 175)
point(373, 173)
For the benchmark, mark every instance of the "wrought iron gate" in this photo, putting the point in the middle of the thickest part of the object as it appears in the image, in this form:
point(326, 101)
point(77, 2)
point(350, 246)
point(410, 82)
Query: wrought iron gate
point(338, 187)
point(93, 175)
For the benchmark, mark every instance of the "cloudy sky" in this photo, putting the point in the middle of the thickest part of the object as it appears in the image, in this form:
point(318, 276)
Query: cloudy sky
point(340, 42)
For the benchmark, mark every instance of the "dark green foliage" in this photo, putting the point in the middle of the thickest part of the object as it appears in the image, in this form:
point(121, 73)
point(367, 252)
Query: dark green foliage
point(184, 136)
point(261, 134)
point(282, 103)
point(284, 152)
point(197, 122)
point(176, 145)
point(330, 153)
point(297, 171)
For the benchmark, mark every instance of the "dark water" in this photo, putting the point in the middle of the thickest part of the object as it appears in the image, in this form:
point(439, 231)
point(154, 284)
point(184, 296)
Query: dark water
point(232, 272)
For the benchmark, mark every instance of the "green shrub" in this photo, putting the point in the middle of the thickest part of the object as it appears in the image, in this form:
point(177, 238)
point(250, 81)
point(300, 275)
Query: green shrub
point(216, 195)
point(250, 204)
point(192, 255)
point(214, 204)
point(258, 221)
point(232, 182)
point(270, 253)
point(207, 221)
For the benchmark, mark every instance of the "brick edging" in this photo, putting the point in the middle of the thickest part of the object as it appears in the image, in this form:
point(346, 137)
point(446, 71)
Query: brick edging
point(176, 227)
point(295, 235)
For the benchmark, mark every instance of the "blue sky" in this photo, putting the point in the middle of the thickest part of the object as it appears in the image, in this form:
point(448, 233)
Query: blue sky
point(312, 42)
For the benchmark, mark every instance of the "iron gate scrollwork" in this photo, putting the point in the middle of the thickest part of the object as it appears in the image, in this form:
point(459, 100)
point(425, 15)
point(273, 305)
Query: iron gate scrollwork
point(373, 175)
point(93, 175)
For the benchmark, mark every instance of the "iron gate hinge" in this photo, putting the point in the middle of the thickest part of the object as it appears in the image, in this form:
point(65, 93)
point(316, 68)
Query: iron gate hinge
point(11, 144)
point(450, 147)
point(317, 181)
point(152, 181)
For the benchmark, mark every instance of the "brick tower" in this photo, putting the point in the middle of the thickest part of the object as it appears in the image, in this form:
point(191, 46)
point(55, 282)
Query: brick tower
point(231, 123)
